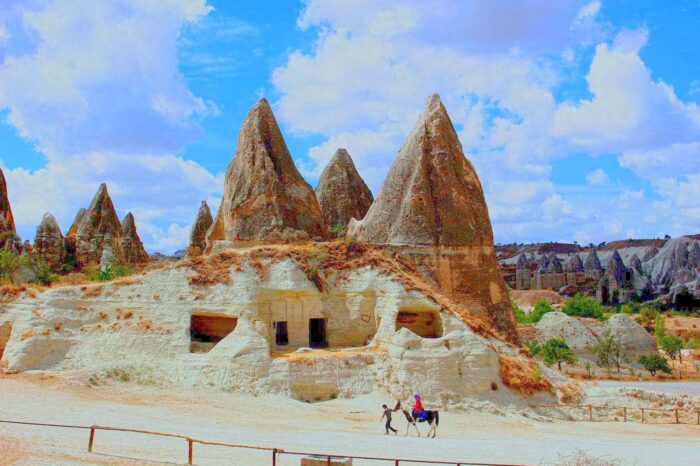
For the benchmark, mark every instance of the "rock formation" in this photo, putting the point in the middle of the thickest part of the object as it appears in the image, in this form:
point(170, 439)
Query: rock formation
point(341, 192)
point(573, 331)
point(7, 220)
point(431, 208)
point(575, 264)
point(132, 247)
point(694, 255)
point(634, 339)
point(49, 243)
point(98, 227)
point(636, 263)
point(616, 272)
point(265, 197)
point(592, 262)
point(201, 226)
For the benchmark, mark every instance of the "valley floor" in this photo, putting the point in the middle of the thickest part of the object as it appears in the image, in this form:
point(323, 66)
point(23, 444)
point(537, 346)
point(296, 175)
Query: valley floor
point(339, 427)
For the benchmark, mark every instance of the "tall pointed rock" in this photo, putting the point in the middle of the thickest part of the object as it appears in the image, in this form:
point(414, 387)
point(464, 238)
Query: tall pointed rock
point(49, 243)
point(7, 220)
point(431, 208)
point(98, 227)
point(132, 247)
point(199, 231)
point(341, 191)
point(265, 197)
point(592, 263)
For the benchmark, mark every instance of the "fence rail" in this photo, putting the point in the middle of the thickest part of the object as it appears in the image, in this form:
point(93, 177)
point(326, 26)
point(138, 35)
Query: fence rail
point(277, 453)
point(589, 409)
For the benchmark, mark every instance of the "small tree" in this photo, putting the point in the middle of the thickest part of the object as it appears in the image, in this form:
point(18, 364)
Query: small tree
point(338, 229)
point(647, 316)
point(653, 363)
point(583, 306)
point(556, 351)
point(672, 345)
point(608, 351)
point(9, 263)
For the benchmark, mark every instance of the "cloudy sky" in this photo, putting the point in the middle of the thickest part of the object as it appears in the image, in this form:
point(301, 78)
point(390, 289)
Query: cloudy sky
point(581, 117)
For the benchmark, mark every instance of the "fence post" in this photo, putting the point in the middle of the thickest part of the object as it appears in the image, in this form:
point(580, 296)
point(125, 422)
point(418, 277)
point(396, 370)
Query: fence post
point(274, 457)
point(329, 461)
point(590, 412)
point(676, 410)
point(624, 413)
point(190, 451)
point(92, 439)
point(642, 409)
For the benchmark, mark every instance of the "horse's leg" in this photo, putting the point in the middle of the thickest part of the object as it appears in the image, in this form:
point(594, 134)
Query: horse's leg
point(434, 429)
point(416, 426)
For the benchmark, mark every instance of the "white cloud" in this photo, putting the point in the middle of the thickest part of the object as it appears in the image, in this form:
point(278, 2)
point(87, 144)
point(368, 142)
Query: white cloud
point(629, 109)
point(598, 177)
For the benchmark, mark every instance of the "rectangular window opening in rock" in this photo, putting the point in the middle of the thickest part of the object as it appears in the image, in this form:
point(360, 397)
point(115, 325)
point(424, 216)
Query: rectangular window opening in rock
point(317, 333)
point(281, 334)
point(208, 330)
point(425, 323)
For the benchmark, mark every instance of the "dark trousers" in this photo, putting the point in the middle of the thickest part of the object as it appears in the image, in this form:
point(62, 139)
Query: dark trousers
point(388, 427)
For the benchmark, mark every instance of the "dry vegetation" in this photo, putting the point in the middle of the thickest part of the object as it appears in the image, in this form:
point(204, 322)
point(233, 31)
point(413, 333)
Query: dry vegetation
point(11, 451)
point(523, 376)
point(571, 393)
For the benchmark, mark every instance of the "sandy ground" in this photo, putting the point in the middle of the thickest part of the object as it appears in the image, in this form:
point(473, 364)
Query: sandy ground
point(338, 427)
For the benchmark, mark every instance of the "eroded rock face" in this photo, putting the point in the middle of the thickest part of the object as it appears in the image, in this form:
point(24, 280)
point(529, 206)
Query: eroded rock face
point(98, 227)
point(264, 194)
point(592, 262)
point(132, 247)
point(49, 243)
point(7, 220)
point(198, 235)
point(341, 192)
point(575, 264)
point(635, 262)
point(431, 208)
point(432, 195)
point(616, 271)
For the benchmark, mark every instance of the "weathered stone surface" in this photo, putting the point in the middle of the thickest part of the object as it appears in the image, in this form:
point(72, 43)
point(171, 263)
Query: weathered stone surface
point(49, 243)
point(198, 235)
point(7, 220)
point(523, 262)
point(573, 331)
point(575, 264)
point(616, 271)
point(431, 208)
point(635, 262)
point(341, 191)
point(592, 262)
point(98, 227)
point(432, 195)
point(634, 339)
point(132, 247)
point(263, 190)
point(694, 255)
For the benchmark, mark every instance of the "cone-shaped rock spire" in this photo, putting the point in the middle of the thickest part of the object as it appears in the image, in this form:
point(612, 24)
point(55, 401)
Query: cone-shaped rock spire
point(199, 231)
point(49, 243)
point(98, 226)
point(432, 195)
point(134, 252)
point(7, 220)
point(264, 194)
point(575, 264)
point(592, 263)
point(341, 191)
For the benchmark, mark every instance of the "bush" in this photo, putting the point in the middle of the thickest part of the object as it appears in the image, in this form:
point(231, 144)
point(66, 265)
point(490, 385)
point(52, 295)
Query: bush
point(520, 316)
point(647, 316)
point(556, 351)
point(534, 347)
point(653, 363)
point(338, 229)
point(659, 328)
point(608, 351)
point(540, 309)
point(110, 272)
point(9, 263)
point(583, 306)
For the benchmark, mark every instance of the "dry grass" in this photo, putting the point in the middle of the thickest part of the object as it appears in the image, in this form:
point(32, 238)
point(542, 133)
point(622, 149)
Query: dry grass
point(11, 451)
point(91, 291)
point(10, 291)
point(523, 376)
point(571, 393)
point(581, 458)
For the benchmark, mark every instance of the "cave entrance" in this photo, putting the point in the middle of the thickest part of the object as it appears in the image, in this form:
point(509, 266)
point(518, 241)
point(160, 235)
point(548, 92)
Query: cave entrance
point(281, 334)
point(207, 330)
point(425, 323)
point(5, 331)
point(317, 333)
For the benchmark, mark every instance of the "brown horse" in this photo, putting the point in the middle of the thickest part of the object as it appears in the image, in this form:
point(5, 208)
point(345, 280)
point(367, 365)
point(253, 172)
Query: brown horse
point(431, 417)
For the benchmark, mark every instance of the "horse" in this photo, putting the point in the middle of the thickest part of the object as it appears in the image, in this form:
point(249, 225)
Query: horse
point(432, 417)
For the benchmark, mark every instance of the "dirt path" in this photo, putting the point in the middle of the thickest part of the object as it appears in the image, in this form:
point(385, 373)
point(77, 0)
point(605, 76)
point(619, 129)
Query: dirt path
point(339, 426)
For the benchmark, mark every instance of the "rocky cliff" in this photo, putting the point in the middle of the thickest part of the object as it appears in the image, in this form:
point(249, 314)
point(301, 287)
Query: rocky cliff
point(341, 191)
point(431, 208)
point(7, 220)
point(265, 197)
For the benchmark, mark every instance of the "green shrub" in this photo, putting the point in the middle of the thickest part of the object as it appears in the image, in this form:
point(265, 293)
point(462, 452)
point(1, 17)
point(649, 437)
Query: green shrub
point(556, 351)
point(659, 328)
point(534, 347)
point(672, 345)
point(583, 306)
point(653, 363)
point(540, 309)
point(520, 316)
point(338, 229)
point(9, 263)
point(609, 351)
point(110, 272)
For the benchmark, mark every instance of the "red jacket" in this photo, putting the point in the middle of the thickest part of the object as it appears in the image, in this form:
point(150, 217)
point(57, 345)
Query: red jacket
point(418, 406)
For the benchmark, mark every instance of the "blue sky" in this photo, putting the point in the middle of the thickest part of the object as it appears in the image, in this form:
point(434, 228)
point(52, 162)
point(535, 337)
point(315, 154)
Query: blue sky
point(581, 117)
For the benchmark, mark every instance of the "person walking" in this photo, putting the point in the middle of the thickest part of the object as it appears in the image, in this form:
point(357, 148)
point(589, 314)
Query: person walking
point(387, 415)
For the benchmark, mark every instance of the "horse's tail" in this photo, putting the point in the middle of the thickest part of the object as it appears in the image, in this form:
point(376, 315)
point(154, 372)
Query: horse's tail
point(437, 418)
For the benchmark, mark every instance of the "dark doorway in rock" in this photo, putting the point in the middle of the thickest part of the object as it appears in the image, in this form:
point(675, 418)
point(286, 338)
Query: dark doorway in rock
point(208, 330)
point(281, 335)
point(425, 323)
point(5, 332)
point(317, 333)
